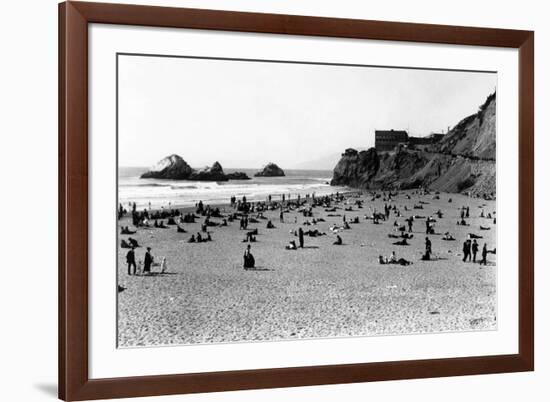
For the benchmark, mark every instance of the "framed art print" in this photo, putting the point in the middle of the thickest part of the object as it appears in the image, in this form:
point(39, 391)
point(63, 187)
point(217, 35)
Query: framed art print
point(261, 200)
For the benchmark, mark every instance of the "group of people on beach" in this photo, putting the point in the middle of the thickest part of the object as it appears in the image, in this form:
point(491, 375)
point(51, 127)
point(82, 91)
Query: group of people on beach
point(247, 212)
point(148, 262)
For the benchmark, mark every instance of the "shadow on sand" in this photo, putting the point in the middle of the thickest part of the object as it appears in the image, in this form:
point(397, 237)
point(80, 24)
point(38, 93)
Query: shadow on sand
point(259, 269)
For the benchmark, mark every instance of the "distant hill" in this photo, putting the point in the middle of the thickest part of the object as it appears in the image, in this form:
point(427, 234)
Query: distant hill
point(463, 161)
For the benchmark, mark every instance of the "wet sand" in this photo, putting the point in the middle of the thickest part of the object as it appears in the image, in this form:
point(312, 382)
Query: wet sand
point(322, 290)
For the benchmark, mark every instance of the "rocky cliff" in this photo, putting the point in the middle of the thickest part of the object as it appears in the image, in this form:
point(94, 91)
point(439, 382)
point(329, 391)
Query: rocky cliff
point(270, 170)
point(173, 167)
point(463, 161)
point(209, 173)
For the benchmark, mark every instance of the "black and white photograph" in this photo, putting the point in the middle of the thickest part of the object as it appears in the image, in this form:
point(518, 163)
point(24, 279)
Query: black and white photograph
point(269, 200)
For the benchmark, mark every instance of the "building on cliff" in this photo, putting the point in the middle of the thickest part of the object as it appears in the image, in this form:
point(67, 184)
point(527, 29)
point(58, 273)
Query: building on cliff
point(387, 140)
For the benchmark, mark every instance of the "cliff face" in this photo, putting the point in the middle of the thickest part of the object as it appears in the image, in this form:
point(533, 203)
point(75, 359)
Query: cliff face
point(172, 167)
point(213, 173)
point(463, 161)
point(356, 169)
point(474, 136)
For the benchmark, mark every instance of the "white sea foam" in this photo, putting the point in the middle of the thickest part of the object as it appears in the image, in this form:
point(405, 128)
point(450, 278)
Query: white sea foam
point(187, 193)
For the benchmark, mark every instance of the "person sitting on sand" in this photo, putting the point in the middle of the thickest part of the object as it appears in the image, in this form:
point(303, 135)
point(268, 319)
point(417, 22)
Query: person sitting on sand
point(291, 245)
point(270, 225)
point(133, 242)
point(474, 236)
point(208, 237)
point(394, 260)
point(126, 231)
point(382, 260)
point(401, 243)
point(192, 239)
point(125, 244)
point(448, 237)
point(429, 228)
point(484, 227)
point(338, 241)
point(199, 237)
point(462, 222)
point(346, 225)
point(248, 259)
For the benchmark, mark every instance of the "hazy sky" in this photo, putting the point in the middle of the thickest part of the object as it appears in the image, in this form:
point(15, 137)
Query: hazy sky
point(244, 114)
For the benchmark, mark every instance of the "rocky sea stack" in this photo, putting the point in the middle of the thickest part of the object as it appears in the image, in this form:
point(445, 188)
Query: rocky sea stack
point(270, 170)
point(209, 173)
point(173, 167)
point(462, 162)
point(237, 176)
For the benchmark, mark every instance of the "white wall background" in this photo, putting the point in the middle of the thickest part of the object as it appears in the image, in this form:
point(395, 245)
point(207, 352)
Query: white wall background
point(28, 201)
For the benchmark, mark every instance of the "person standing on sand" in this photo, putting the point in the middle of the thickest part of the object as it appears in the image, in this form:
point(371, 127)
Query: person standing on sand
point(465, 250)
point(475, 247)
point(148, 261)
point(131, 261)
point(301, 237)
point(428, 247)
point(484, 255)
point(410, 223)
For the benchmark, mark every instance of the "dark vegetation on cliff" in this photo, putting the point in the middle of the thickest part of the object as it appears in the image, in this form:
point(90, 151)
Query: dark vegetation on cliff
point(463, 161)
point(173, 167)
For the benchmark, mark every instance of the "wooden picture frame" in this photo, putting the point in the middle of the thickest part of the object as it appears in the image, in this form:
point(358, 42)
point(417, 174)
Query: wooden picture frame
point(74, 381)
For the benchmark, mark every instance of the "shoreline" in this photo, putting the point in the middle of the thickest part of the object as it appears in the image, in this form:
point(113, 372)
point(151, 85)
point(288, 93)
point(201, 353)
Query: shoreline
point(190, 208)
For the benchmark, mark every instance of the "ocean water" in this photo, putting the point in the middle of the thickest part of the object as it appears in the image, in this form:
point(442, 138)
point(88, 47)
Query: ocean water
point(187, 193)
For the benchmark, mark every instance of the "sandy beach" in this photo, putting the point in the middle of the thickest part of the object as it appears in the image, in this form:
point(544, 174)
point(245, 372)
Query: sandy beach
point(322, 290)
